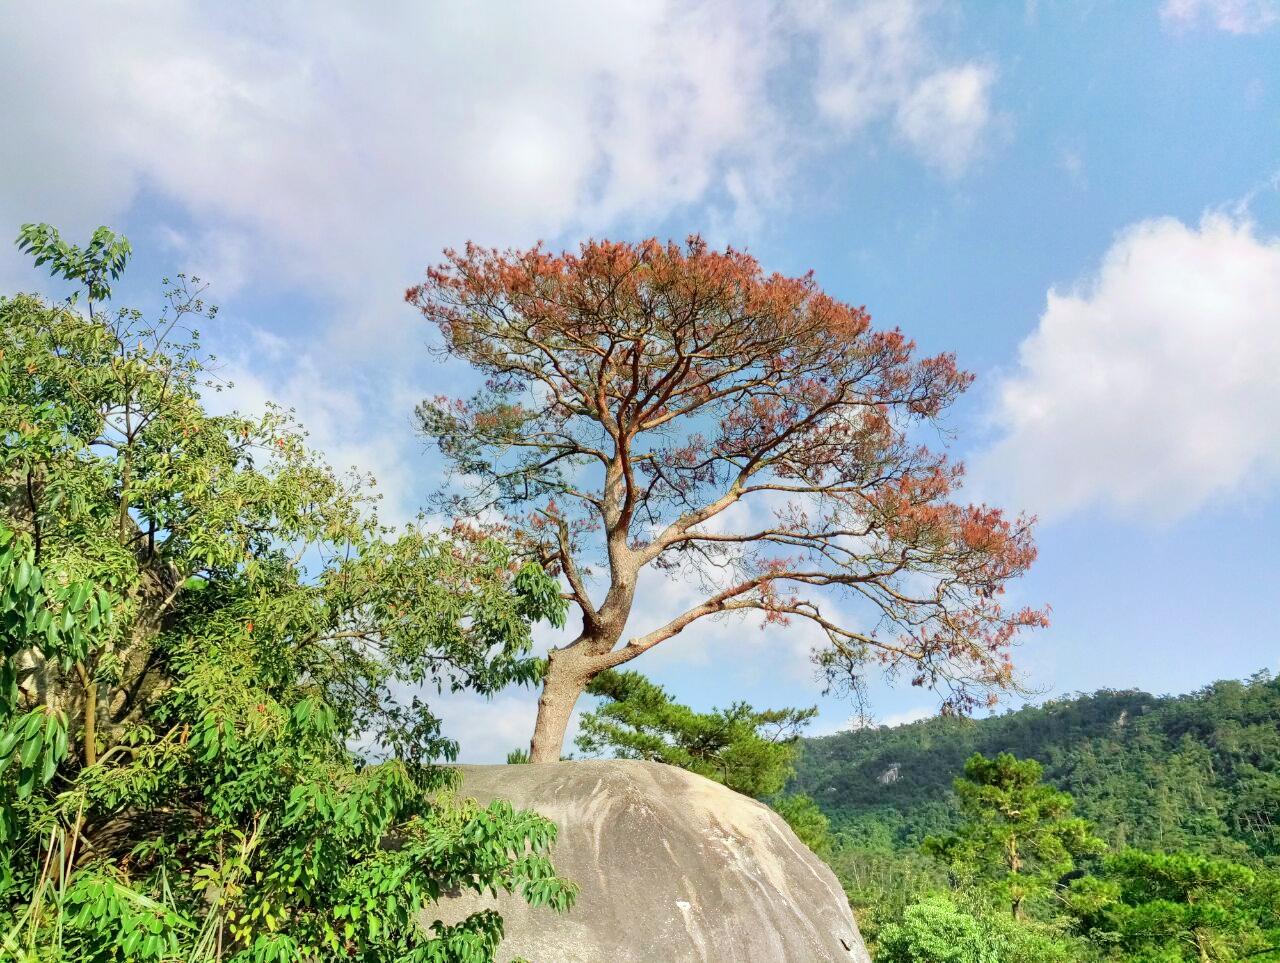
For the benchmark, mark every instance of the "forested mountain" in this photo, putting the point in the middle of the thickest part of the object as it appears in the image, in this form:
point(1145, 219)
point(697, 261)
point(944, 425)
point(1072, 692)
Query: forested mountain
point(1198, 772)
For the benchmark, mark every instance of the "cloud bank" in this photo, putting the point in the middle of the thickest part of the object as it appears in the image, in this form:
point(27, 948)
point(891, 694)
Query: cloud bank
point(1151, 389)
point(326, 152)
point(345, 144)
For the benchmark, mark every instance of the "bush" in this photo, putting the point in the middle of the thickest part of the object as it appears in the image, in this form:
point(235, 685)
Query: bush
point(197, 618)
point(936, 930)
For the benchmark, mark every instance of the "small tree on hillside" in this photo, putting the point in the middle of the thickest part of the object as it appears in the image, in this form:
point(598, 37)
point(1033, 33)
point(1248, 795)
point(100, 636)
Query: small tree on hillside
point(1018, 833)
point(751, 751)
point(807, 821)
point(936, 930)
point(673, 407)
point(748, 750)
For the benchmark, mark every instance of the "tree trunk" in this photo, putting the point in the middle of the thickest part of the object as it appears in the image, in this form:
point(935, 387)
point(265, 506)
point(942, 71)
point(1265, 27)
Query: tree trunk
point(1015, 864)
point(566, 677)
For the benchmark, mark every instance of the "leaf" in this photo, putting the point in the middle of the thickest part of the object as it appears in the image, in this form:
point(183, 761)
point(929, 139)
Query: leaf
point(23, 575)
point(79, 595)
point(26, 781)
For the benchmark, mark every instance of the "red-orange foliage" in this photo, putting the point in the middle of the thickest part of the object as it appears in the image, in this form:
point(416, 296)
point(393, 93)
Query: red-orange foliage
point(640, 397)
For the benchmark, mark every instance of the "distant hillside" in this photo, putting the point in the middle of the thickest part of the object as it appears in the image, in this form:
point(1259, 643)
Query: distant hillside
point(1198, 772)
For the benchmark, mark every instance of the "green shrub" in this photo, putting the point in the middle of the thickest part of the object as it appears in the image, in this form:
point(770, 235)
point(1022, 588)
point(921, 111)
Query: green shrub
point(197, 618)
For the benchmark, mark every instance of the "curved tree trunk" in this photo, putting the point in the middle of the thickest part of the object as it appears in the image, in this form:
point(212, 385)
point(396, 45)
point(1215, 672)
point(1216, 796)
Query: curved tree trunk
point(555, 706)
point(568, 672)
point(570, 668)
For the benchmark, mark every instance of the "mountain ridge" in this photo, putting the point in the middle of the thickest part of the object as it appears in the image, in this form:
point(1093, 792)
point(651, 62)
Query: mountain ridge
point(1199, 771)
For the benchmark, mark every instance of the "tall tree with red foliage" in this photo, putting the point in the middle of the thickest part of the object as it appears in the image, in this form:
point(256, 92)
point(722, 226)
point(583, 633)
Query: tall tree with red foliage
point(671, 406)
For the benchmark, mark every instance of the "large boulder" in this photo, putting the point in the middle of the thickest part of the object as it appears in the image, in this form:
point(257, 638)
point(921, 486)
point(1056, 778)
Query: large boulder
point(672, 867)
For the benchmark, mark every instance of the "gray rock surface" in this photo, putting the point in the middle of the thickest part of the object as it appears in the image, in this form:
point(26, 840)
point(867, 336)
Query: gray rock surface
point(672, 867)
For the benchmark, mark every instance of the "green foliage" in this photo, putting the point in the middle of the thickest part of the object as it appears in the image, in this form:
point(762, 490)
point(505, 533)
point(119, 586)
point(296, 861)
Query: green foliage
point(95, 266)
point(1160, 907)
point(1017, 842)
point(1018, 834)
point(747, 750)
point(197, 618)
point(806, 820)
point(1196, 771)
point(882, 884)
point(751, 752)
point(1199, 773)
point(936, 930)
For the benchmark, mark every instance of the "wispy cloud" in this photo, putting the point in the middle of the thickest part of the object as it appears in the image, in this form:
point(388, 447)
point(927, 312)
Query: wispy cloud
point(328, 151)
point(1232, 16)
point(877, 61)
point(345, 145)
point(489, 728)
point(257, 368)
point(857, 722)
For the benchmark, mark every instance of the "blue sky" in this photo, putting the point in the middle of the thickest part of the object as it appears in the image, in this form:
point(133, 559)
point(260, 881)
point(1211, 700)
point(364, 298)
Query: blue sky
point(1081, 199)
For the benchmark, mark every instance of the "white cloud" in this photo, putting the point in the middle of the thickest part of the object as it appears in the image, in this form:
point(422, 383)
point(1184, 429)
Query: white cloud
point(1232, 16)
point(336, 148)
point(876, 60)
point(1151, 389)
point(1072, 163)
point(351, 143)
point(488, 729)
point(330, 150)
point(908, 716)
point(215, 257)
point(856, 723)
point(948, 114)
point(344, 145)
point(259, 368)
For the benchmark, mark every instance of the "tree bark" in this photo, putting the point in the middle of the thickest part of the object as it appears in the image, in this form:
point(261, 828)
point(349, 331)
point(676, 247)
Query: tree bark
point(1015, 865)
point(567, 675)
point(90, 715)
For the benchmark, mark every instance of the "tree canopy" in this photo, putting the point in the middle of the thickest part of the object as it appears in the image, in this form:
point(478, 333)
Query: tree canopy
point(1185, 778)
point(748, 750)
point(937, 930)
point(671, 406)
point(1017, 832)
point(1170, 907)
point(197, 618)
point(1197, 772)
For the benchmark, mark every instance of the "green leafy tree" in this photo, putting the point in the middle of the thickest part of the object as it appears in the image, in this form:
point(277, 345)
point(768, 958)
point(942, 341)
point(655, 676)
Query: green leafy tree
point(881, 884)
point(750, 751)
point(1018, 834)
point(1163, 908)
point(806, 820)
point(95, 266)
point(197, 617)
point(936, 930)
